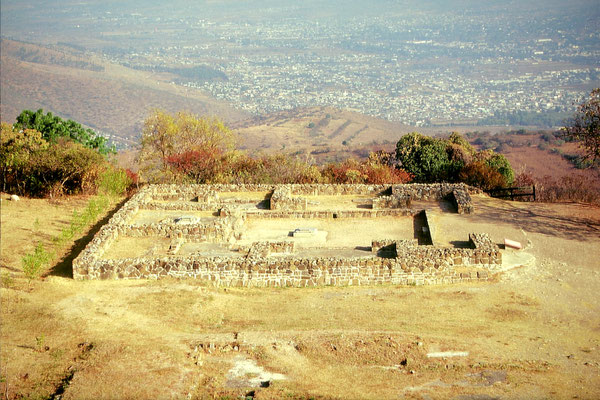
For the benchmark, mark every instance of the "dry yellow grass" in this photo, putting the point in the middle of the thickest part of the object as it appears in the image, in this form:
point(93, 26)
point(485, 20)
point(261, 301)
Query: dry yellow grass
point(290, 129)
point(530, 333)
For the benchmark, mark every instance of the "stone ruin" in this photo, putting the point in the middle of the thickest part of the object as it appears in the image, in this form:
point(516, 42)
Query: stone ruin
point(275, 263)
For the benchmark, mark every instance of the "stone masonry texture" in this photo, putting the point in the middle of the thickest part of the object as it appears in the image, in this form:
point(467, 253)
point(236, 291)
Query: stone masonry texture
point(267, 263)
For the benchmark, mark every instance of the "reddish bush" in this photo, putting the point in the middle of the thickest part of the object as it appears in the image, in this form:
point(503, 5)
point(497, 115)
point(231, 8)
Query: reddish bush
point(524, 179)
point(198, 166)
point(568, 188)
point(481, 175)
point(376, 169)
point(134, 179)
point(344, 172)
point(381, 174)
point(234, 167)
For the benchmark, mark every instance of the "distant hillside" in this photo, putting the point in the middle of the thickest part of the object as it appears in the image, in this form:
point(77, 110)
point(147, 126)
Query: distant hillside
point(328, 134)
point(40, 55)
point(197, 73)
point(106, 97)
point(541, 154)
point(318, 131)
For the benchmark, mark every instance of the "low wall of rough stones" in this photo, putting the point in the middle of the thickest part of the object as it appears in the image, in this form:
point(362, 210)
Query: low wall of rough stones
point(203, 197)
point(217, 231)
point(426, 266)
point(412, 255)
point(458, 193)
point(394, 201)
point(411, 264)
point(421, 191)
point(266, 248)
point(282, 199)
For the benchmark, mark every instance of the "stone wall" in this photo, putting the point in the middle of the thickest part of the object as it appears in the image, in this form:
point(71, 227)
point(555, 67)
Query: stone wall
point(315, 189)
point(176, 205)
point(203, 197)
point(462, 200)
point(264, 249)
point(482, 241)
point(218, 231)
point(393, 201)
point(386, 245)
point(282, 199)
point(262, 264)
point(411, 256)
point(426, 266)
point(423, 191)
point(458, 193)
point(198, 192)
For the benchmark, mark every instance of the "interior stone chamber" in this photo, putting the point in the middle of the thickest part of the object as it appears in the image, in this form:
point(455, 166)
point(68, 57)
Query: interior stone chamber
point(391, 260)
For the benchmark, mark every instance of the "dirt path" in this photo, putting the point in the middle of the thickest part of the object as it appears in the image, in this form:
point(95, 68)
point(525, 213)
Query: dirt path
point(533, 332)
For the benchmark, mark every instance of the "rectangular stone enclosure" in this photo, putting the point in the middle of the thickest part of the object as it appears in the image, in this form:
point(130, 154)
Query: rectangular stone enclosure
point(286, 235)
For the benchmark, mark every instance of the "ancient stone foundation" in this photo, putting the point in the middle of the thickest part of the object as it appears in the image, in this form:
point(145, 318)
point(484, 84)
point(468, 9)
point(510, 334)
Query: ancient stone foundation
point(275, 263)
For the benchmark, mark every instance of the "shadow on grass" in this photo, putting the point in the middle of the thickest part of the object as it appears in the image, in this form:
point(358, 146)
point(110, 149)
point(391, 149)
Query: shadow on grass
point(64, 267)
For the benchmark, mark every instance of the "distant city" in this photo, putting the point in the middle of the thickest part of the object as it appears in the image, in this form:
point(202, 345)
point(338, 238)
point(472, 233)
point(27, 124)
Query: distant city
point(415, 71)
point(422, 68)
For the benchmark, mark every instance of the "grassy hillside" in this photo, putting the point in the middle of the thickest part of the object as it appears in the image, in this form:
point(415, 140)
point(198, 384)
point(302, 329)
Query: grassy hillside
point(106, 97)
point(324, 133)
point(317, 126)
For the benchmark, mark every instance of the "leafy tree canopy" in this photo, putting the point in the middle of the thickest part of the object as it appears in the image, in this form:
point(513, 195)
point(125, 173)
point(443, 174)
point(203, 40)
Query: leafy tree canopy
point(53, 127)
point(453, 159)
point(424, 157)
point(500, 163)
point(165, 137)
point(32, 166)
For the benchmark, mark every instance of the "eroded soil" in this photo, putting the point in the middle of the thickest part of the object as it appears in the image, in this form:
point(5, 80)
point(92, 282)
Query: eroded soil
point(531, 332)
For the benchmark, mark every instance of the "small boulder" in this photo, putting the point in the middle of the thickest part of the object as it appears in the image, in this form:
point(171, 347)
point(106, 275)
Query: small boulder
point(14, 197)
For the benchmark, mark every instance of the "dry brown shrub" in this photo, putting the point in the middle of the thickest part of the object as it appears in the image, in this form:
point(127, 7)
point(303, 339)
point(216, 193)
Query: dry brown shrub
point(574, 187)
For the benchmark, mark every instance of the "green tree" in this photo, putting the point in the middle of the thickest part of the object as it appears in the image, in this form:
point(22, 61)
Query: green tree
point(458, 139)
point(500, 164)
point(53, 127)
point(454, 159)
point(584, 127)
point(424, 157)
point(34, 167)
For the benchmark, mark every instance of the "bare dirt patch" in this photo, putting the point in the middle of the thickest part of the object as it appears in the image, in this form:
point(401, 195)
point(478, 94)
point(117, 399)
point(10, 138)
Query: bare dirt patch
point(143, 217)
point(344, 202)
point(340, 233)
point(128, 247)
point(532, 332)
